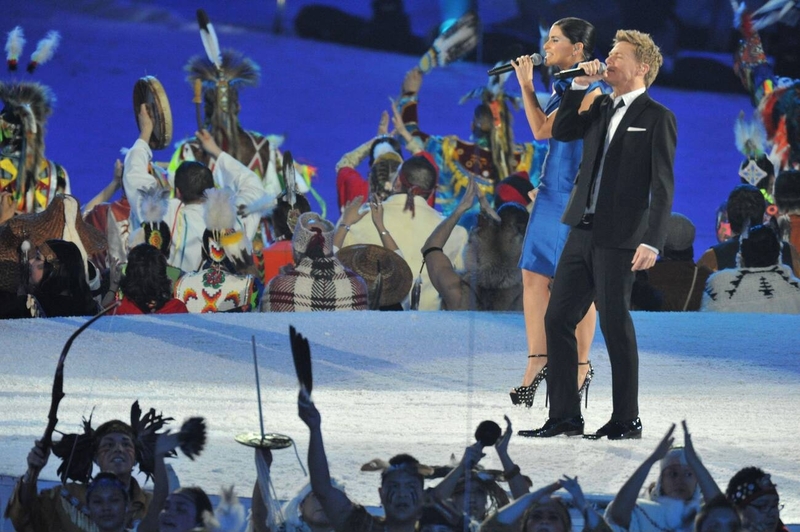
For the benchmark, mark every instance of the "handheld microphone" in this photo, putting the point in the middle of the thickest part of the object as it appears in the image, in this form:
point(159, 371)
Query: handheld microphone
point(502, 69)
point(575, 72)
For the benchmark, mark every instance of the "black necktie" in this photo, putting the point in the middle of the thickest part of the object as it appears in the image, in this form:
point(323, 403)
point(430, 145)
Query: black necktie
point(609, 112)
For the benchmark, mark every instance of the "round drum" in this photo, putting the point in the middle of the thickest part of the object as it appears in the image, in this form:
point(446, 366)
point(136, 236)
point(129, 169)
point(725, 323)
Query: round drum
point(148, 90)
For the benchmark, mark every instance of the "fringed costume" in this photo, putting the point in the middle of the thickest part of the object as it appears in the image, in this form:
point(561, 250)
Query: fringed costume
point(487, 160)
point(216, 79)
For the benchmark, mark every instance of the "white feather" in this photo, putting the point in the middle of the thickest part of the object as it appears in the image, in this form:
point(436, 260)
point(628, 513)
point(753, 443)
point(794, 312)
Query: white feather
point(228, 515)
point(263, 206)
point(751, 137)
point(219, 211)
point(153, 203)
point(211, 44)
point(15, 43)
point(46, 48)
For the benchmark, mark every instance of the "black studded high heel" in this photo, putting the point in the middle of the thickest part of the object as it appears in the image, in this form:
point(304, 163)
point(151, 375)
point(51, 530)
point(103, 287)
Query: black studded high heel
point(587, 380)
point(525, 394)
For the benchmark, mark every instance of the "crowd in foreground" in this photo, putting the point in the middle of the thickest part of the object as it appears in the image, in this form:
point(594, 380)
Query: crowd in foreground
point(414, 496)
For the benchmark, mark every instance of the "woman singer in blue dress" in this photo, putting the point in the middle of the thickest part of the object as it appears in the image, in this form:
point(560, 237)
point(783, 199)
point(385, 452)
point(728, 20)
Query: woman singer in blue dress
point(571, 40)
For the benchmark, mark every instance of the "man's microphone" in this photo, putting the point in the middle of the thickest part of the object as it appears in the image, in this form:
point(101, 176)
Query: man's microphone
point(502, 69)
point(575, 72)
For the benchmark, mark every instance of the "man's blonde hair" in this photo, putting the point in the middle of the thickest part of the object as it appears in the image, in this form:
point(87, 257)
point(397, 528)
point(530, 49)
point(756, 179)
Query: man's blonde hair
point(645, 51)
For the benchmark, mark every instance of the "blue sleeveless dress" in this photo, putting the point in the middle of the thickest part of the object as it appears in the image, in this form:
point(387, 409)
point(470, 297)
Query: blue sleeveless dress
point(545, 236)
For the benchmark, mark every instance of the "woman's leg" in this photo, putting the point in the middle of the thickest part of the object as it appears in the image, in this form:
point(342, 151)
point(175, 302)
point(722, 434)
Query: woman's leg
point(536, 295)
point(584, 333)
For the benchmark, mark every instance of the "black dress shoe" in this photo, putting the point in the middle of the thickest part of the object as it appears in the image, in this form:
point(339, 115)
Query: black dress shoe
point(618, 430)
point(569, 426)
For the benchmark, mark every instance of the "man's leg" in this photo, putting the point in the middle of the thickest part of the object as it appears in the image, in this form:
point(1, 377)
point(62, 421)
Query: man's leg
point(570, 298)
point(614, 280)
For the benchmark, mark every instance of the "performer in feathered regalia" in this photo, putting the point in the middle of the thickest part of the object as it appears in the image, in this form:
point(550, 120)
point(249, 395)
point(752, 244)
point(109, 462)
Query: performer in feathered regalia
point(216, 79)
point(28, 180)
point(777, 99)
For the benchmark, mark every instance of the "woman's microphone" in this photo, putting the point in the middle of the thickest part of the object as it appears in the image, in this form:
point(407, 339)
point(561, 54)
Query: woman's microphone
point(502, 69)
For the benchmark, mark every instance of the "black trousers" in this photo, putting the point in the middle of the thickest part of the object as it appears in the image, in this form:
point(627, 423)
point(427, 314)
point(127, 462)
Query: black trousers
point(587, 273)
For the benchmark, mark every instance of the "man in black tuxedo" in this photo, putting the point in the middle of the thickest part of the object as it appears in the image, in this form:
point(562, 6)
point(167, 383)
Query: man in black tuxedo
point(618, 212)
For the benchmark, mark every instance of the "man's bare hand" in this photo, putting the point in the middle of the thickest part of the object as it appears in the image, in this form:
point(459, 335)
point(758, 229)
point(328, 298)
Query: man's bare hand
point(37, 457)
point(412, 81)
point(643, 259)
point(208, 143)
point(592, 70)
point(6, 206)
point(145, 123)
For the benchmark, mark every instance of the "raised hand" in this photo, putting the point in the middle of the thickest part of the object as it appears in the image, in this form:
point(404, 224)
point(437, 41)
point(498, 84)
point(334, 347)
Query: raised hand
point(664, 445)
point(145, 123)
point(352, 211)
point(412, 82)
point(523, 66)
point(308, 411)
point(208, 143)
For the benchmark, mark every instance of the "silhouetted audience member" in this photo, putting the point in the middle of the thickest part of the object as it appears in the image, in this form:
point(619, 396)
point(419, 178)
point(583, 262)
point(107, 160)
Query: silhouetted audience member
point(746, 208)
point(787, 198)
point(760, 284)
point(754, 494)
point(55, 285)
point(675, 283)
point(146, 288)
point(491, 279)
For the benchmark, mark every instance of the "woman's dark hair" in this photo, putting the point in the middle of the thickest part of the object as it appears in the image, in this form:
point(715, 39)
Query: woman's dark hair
point(192, 179)
point(787, 191)
point(761, 248)
point(280, 215)
point(578, 30)
point(718, 502)
point(384, 139)
point(145, 281)
point(745, 204)
point(65, 276)
point(380, 176)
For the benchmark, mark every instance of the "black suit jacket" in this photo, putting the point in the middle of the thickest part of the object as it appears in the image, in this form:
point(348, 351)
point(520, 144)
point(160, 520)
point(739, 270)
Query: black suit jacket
point(635, 196)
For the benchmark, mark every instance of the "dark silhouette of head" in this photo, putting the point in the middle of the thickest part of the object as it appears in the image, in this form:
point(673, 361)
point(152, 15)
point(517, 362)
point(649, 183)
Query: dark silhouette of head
point(64, 272)
point(578, 30)
point(761, 248)
point(482, 121)
point(192, 179)
point(381, 174)
point(787, 192)
point(146, 282)
point(280, 215)
point(745, 204)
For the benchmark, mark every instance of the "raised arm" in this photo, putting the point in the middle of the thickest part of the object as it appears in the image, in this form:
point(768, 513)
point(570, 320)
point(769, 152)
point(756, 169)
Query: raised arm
point(708, 487)
point(351, 214)
point(335, 503)
point(440, 270)
point(376, 212)
point(513, 511)
point(135, 176)
point(165, 443)
point(472, 455)
point(621, 508)
point(511, 472)
point(110, 189)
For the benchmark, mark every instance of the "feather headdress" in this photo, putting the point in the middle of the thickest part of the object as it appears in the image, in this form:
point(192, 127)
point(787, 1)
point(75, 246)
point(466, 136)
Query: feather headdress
point(31, 104)
point(14, 45)
point(209, 38)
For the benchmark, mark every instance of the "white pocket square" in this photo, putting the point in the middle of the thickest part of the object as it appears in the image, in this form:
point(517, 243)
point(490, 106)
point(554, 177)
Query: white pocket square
point(636, 129)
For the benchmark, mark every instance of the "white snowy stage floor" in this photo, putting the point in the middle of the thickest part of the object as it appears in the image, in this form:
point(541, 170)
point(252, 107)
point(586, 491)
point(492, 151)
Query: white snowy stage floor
point(408, 382)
